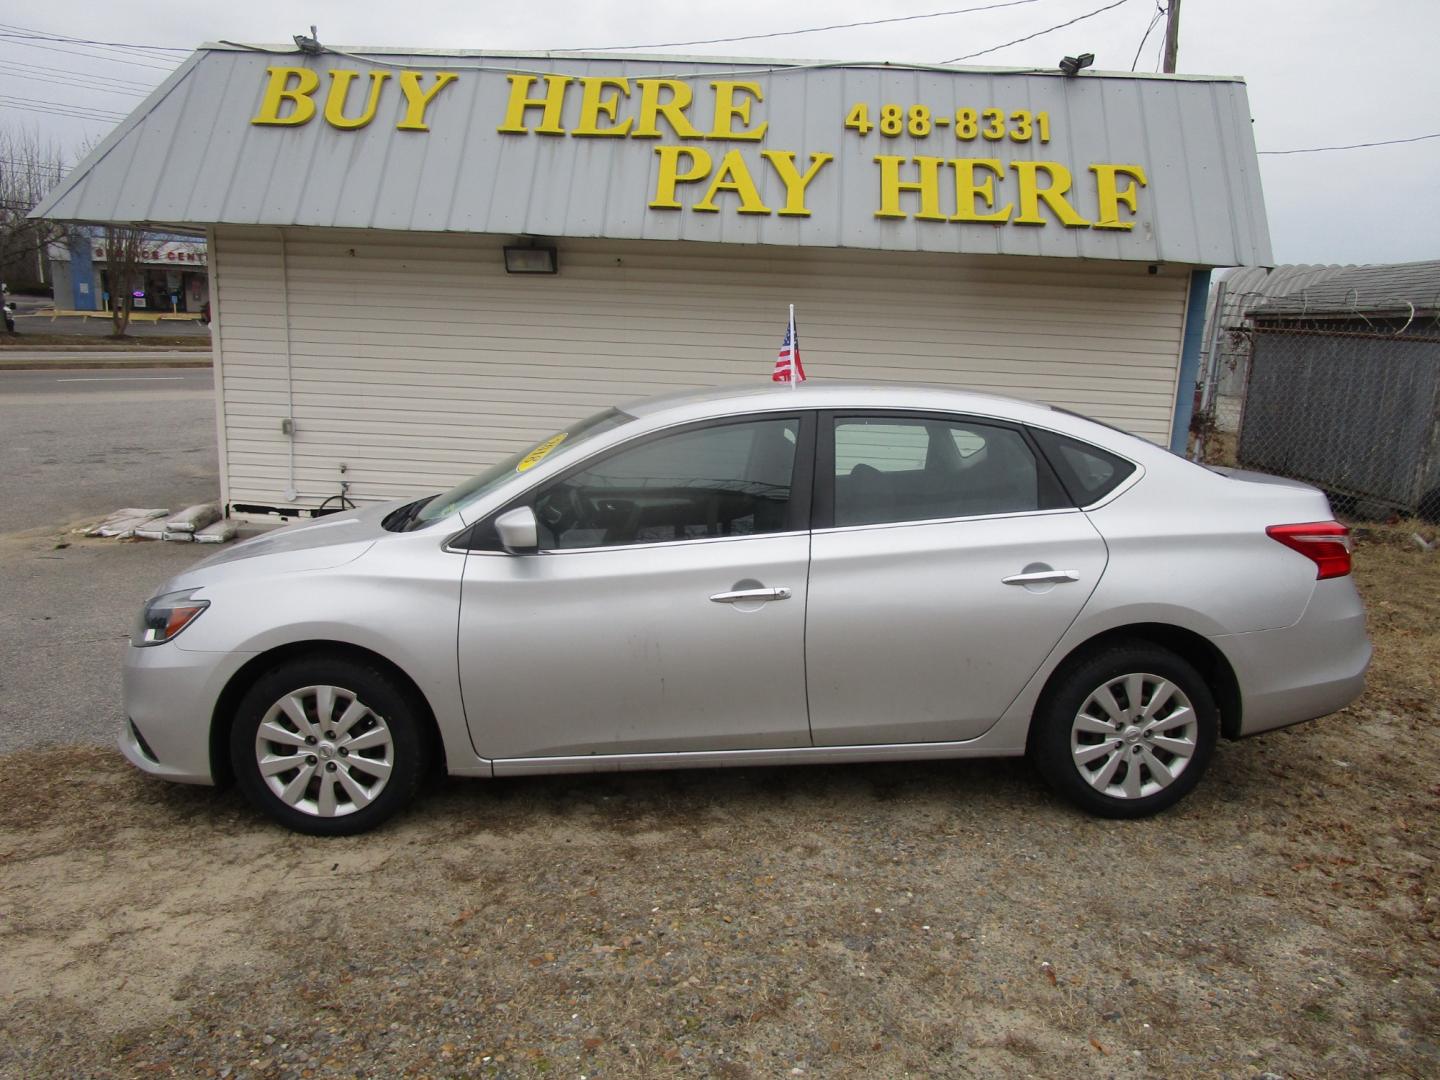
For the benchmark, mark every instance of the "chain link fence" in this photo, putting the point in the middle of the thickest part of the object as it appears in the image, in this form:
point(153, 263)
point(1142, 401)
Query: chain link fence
point(1348, 401)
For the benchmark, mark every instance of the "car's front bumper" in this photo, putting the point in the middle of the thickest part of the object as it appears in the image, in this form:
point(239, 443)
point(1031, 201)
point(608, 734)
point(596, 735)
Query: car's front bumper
point(1304, 671)
point(170, 697)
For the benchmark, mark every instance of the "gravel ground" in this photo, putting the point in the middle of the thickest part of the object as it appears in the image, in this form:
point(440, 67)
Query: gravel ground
point(896, 920)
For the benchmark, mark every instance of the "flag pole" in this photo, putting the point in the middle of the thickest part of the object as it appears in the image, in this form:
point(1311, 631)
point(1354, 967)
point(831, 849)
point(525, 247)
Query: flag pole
point(794, 349)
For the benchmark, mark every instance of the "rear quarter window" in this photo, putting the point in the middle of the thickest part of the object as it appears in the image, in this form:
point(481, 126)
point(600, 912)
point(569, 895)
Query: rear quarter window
point(1087, 472)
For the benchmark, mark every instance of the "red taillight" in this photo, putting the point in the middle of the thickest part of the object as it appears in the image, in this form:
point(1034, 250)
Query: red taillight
point(1325, 543)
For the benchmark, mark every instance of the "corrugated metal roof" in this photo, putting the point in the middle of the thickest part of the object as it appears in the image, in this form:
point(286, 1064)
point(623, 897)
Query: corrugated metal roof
point(190, 156)
point(1397, 288)
point(1247, 287)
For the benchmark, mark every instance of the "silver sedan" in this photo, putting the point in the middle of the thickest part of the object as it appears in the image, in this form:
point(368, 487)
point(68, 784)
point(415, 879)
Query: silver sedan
point(760, 576)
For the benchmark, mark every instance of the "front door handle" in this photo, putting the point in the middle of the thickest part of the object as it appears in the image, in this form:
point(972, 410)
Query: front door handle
point(1040, 576)
point(739, 596)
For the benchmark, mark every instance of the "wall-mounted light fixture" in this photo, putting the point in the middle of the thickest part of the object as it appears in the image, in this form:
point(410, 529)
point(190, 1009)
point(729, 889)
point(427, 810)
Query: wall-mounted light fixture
point(310, 46)
point(1072, 65)
point(531, 260)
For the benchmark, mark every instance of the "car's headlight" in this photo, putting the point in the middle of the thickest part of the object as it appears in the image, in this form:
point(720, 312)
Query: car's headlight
point(165, 616)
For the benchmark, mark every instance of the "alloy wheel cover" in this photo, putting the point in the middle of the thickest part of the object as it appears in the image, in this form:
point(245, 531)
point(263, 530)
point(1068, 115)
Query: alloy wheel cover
point(1134, 735)
point(322, 751)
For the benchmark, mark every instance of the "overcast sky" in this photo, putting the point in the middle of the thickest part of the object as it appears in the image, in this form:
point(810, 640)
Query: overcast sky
point(1320, 72)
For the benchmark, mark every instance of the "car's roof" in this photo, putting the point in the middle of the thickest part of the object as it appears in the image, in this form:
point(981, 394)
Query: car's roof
point(830, 394)
point(719, 401)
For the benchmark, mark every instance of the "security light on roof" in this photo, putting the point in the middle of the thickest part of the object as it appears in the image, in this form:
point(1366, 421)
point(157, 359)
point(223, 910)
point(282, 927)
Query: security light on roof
point(309, 45)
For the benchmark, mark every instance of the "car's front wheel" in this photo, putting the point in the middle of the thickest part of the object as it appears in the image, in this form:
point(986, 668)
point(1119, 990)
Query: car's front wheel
point(1126, 732)
point(327, 746)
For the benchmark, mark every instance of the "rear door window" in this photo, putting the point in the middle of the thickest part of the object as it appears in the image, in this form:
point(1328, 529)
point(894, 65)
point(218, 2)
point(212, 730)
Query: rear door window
point(890, 469)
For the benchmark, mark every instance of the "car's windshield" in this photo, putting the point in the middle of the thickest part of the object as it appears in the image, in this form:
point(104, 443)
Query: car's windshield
point(481, 484)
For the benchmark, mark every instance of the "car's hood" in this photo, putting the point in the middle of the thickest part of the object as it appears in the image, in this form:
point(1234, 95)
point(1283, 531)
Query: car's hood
point(307, 545)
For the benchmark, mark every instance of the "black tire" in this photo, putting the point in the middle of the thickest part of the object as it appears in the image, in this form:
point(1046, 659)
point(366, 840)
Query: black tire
point(389, 758)
point(1058, 731)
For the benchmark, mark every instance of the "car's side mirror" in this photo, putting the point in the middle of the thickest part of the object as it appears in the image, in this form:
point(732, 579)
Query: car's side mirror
point(519, 533)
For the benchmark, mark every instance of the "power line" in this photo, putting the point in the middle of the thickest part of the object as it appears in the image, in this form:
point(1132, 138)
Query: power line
point(52, 166)
point(95, 51)
point(78, 83)
point(793, 33)
point(92, 56)
point(1038, 33)
point(99, 51)
point(46, 111)
point(48, 70)
point(50, 36)
point(60, 108)
point(62, 105)
point(10, 98)
point(60, 112)
point(1353, 146)
point(1160, 52)
point(1159, 14)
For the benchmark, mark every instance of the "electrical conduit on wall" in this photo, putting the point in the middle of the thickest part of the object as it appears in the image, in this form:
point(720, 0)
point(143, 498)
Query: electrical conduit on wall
point(291, 493)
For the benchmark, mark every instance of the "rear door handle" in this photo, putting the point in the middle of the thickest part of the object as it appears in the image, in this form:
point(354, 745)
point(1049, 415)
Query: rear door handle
point(1042, 575)
point(739, 596)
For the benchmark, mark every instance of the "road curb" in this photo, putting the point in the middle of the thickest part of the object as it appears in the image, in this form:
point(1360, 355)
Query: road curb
point(101, 347)
point(74, 363)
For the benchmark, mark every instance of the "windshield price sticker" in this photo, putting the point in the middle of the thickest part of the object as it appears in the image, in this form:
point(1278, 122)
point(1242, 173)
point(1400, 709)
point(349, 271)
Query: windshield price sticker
point(918, 121)
point(534, 457)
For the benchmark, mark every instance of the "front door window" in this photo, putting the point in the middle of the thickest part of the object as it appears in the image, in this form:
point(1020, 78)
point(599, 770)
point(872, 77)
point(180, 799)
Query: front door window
point(723, 481)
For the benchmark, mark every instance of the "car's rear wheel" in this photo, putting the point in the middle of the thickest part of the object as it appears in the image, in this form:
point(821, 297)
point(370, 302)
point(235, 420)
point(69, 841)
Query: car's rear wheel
point(327, 746)
point(1126, 732)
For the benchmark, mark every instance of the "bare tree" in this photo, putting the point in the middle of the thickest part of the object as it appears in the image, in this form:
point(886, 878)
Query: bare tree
point(123, 263)
point(29, 168)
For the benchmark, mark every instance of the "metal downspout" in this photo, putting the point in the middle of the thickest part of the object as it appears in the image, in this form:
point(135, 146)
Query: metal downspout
point(1189, 360)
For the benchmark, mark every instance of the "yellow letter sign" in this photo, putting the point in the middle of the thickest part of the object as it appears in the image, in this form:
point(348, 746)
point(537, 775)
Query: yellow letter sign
point(280, 90)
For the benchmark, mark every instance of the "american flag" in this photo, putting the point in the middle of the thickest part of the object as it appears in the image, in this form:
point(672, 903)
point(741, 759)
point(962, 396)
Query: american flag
point(787, 365)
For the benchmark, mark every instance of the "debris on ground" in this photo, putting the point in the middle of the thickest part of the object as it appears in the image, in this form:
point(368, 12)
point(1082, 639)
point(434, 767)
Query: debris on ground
point(201, 524)
point(121, 525)
point(192, 518)
point(216, 533)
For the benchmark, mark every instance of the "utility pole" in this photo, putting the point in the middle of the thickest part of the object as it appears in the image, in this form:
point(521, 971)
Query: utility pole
point(1172, 35)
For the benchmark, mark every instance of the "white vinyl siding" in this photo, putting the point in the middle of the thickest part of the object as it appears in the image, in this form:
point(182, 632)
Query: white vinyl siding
point(414, 359)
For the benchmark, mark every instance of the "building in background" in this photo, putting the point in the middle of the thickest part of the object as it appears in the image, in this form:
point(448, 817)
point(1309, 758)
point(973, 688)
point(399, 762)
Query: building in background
point(174, 277)
point(1341, 384)
point(423, 261)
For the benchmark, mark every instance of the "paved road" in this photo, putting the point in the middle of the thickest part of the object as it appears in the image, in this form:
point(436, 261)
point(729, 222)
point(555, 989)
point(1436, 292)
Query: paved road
point(65, 618)
point(75, 445)
point(69, 381)
point(80, 443)
point(11, 358)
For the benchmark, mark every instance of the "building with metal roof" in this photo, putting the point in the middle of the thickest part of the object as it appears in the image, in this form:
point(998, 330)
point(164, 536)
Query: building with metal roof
point(1243, 297)
point(1400, 290)
point(1342, 386)
point(375, 219)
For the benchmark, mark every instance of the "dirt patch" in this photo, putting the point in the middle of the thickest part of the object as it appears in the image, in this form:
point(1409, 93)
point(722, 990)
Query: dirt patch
point(938, 919)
